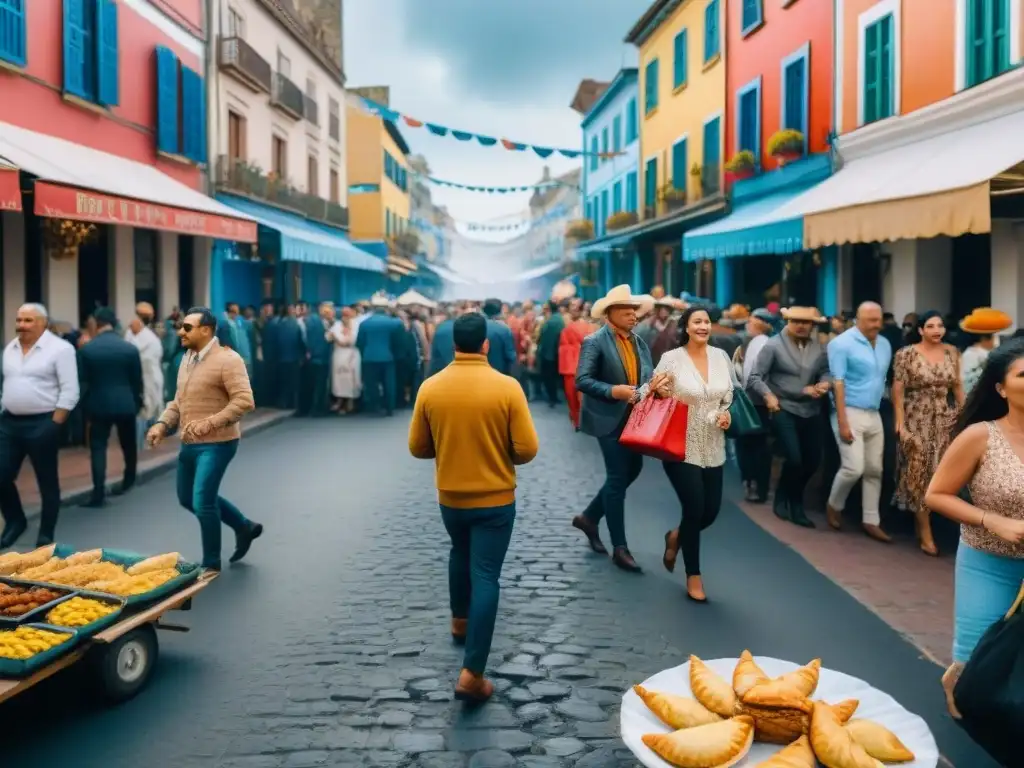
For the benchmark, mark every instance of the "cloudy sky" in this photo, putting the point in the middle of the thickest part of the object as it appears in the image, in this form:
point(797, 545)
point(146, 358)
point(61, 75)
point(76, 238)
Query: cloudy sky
point(503, 68)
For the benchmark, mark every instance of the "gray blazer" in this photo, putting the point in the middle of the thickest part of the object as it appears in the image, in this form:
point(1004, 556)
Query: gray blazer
point(600, 368)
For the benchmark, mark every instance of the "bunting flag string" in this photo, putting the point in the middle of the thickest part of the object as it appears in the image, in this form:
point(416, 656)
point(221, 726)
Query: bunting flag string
point(558, 212)
point(498, 190)
point(394, 116)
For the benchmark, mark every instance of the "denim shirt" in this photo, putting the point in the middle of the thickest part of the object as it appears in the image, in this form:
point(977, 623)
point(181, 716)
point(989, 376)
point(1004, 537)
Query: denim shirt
point(861, 367)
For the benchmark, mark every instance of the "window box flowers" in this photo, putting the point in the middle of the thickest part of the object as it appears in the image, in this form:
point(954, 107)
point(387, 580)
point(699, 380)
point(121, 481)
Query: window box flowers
point(742, 165)
point(621, 220)
point(786, 145)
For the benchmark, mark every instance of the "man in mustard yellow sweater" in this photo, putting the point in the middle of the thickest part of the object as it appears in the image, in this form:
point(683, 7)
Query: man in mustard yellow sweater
point(475, 423)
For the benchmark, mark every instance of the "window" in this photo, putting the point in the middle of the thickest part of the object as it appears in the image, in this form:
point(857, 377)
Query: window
point(631, 191)
point(236, 23)
point(313, 174)
point(594, 154)
point(794, 92)
point(679, 46)
point(12, 32)
point(631, 122)
point(988, 46)
point(604, 144)
point(90, 48)
point(712, 154)
point(878, 69)
point(334, 124)
point(748, 123)
point(679, 165)
point(311, 87)
point(605, 209)
point(651, 87)
point(617, 133)
point(193, 116)
point(712, 35)
point(279, 157)
point(236, 138)
point(752, 16)
point(650, 184)
point(590, 211)
point(167, 113)
point(617, 197)
point(284, 65)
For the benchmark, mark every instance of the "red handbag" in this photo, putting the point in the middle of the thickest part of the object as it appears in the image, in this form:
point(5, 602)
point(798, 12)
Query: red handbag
point(657, 428)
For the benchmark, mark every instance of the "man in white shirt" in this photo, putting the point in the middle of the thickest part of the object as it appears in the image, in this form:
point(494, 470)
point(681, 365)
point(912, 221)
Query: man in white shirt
point(40, 389)
point(151, 351)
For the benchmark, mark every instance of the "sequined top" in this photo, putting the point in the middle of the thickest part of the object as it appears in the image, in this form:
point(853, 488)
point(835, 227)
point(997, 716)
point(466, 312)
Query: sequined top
point(707, 400)
point(997, 486)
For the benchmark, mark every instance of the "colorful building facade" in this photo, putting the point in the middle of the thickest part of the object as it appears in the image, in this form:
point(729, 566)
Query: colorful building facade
point(109, 141)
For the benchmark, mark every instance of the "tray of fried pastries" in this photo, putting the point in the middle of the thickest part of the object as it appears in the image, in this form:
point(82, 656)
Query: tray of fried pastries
point(760, 712)
point(137, 579)
point(29, 647)
point(22, 603)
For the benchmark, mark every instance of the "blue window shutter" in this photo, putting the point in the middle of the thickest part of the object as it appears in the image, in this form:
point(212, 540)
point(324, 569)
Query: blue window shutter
point(617, 133)
point(885, 67)
point(751, 14)
point(12, 32)
point(605, 212)
point(617, 197)
point(166, 101)
point(631, 122)
point(593, 153)
point(712, 150)
point(749, 121)
point(711, 37)
point(679, 161)
point(651, 183)
point(794, 107)
point(74, 48)
point(631, 192)
point(1000, 54)
point(651, 86)
point(107, 73)
point(871, 73)
point(679, 59)
point(201, 122)
point(604, 142)
point(189, 108)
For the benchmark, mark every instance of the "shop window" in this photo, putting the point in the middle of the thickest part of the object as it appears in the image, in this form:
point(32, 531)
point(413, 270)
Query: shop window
point(631, 192)
point(679, 168)
point(748, 109)
point(679, 53)
point(879, 69)
point(988, 39)
point(712, 34)
point(13, 48)
point(752, 15)
point(631, 122)
point(651, 87)
point(712, 155)
point(650, 184)
point(795, 91)
point(90, 49)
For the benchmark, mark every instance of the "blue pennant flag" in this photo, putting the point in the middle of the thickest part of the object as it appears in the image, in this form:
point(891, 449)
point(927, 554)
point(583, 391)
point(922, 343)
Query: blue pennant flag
point(543, 151)
point(437, 130)
point(486, 141)
point(570, 153)
point(462, 135)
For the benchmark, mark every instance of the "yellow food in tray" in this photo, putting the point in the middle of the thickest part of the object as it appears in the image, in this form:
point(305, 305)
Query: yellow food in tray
point(154, 564)
point(12, 562)
point(129, 586)
point(40, 572)
point(79, 612)
point(82, 575)
point(25, 642)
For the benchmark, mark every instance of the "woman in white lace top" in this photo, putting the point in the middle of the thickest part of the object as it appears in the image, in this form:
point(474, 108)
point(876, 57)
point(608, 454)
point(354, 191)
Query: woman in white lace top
point(700, 376)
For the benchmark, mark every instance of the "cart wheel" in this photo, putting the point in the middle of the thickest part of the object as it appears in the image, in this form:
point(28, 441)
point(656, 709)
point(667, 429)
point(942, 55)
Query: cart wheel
point(124, 666)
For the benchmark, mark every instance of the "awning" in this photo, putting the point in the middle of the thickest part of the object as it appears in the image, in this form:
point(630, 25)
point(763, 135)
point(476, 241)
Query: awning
point(304, 241)
point(446, 274)
point(85, 184)
point(402, 263)
point(533, 274)
point(935, 183)
point(10, 188)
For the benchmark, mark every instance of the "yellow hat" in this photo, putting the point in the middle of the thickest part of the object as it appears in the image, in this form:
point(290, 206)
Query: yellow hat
point(986, 320)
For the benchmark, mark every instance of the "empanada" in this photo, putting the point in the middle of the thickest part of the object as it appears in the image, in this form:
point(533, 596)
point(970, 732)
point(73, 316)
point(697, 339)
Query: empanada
point(676, 711)
point(800, 682)
point(797, 755)
point(711, 690)
point(833, 744)
point(747, 674)
point(84, 558)
point(718, 745)
point(844, 709)
point(879, 742)
point(777, 719)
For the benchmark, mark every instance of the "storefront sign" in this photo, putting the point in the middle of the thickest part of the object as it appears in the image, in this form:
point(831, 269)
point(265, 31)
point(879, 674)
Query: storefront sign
point(54, 201)
point(10, 190)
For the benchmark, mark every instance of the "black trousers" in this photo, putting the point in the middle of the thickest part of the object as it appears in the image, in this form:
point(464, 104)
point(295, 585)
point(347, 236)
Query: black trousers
point(38, 438)
point(550, 379)
point(319, 388)
point(755, 459)
point(699, 490)
point(379, 387)
point(288, 381)
point(621, 467)
point(99, 437)
point(799, 441)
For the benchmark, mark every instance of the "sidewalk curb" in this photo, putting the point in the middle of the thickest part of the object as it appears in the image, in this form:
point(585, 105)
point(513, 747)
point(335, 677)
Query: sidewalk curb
point(164, 465)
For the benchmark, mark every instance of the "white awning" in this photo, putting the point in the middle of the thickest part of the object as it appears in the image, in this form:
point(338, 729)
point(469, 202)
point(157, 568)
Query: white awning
point(446, 274)
point(532, 274)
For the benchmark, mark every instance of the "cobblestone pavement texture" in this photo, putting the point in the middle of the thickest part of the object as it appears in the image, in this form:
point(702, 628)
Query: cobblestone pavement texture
point(329, 646)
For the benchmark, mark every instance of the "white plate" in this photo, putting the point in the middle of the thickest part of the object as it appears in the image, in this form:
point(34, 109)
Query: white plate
point(833, 687)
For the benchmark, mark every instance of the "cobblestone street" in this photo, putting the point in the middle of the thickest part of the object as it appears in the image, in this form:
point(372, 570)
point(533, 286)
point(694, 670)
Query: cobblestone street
point(329, 646)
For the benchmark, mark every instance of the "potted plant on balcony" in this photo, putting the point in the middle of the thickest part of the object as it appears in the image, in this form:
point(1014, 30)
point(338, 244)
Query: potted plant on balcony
point(580, 229)
point(621, 220)
point(697, 172)
point(742, 165)
point(673, 197)
point(406, 244)
point(786, 145)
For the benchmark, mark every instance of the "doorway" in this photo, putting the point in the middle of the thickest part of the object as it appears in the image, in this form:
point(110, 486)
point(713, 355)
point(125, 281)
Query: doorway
point(972, 274)
point(186, 271)
point(147, 247)
point(866, 282)
point(94, 273)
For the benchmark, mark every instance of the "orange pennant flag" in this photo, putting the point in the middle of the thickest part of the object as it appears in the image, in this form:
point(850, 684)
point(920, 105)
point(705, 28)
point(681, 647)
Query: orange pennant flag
point(412, 122)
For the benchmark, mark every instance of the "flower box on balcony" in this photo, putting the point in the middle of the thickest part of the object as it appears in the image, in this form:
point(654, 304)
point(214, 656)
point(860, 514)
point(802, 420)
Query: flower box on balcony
point(742, 165)
point(786, 145)
point(621, 220)
point(580, 229)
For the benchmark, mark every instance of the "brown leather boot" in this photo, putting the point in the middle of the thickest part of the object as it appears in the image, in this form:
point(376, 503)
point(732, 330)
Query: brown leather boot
point(473, 687)
point(876, 533)
point(459, 629)
point(835, 517)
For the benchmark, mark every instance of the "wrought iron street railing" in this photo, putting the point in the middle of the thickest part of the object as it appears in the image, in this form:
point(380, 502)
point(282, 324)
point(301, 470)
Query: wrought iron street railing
point(240, 59)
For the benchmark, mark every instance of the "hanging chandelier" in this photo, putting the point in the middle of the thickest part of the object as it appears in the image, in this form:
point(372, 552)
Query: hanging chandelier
point(62, 237)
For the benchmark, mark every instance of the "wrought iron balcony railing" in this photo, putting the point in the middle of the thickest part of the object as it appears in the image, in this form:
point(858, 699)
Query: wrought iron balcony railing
point(240, 59)
point(288, 97)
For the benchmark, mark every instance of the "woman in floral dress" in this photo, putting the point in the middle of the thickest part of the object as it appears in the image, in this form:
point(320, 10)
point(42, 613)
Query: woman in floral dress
point(926, 383)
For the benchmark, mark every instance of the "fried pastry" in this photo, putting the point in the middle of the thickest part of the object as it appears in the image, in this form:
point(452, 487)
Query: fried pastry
point(676, 711)
point(844, 709)
point(747, 674)
point(833, 744)
point(84, 558)
point(711, 690)
point(718, 745)
point(879, 742)
point(797, 755)
point(800, 682)
point(155, 563)
point(777, 719)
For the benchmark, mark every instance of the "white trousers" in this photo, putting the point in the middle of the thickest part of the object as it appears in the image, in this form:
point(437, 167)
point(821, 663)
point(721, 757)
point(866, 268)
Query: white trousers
point(861, 459)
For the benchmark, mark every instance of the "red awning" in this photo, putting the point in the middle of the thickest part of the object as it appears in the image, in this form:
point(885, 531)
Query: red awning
point(58, 201)
point(10, 189)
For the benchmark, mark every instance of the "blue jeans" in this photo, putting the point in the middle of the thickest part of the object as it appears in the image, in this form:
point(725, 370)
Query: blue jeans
point(985, 587)
point(201, 467)
point(480, 540)
point(621, 467)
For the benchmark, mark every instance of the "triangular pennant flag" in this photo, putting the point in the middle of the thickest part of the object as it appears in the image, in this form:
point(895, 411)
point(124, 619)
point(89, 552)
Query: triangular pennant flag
point(412, 122)
point(543, 151)
point(437, 130)
point(570, 153)
point(462, 135)
point(508, 144)
point(486, 141)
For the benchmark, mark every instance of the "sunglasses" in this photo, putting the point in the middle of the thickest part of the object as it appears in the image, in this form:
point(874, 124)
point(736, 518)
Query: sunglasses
point(188, 327)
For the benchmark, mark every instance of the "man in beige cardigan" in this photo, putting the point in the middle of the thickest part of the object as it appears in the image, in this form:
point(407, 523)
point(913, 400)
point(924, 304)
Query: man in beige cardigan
point(212, 396)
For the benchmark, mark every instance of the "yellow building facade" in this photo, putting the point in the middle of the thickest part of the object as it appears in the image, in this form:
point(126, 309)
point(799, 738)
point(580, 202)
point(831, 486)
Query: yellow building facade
point(378, 177)
point(681, 102)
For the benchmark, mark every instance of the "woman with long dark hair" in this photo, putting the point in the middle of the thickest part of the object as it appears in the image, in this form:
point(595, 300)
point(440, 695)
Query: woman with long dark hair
point(700, 376)
point(985, 456)
point(926, 374)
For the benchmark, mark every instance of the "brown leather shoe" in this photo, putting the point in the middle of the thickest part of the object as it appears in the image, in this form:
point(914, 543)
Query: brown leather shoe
point(592, 533)
point(625, 561)
point(459, 629)
point(835, 518)
point(473, 687)
point(876, 533)
point(671, 550)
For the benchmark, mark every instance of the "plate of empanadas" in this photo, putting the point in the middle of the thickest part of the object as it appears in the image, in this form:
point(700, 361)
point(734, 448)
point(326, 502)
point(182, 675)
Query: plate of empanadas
point(760, 712)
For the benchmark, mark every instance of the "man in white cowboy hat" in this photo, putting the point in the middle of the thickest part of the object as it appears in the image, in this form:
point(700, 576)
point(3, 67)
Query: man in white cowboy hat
point(614, 363)
point(377, 342)
point(791, 377)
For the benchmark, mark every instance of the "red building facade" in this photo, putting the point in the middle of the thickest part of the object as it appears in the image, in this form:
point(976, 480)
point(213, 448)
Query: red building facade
point(105, 117)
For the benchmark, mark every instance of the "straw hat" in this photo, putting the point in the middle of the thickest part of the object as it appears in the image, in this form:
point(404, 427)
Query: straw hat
point(379, 300)
point(736, 312)
point(671, 302)
point(564, 289)
point(621, 296)
point(415, 299)
point(985, 320)
point(808, 314)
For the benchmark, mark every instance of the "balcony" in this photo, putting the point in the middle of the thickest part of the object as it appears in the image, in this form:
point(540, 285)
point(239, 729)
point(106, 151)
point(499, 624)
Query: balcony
point(237, 177)
point(311, 109)
point(288, 97)
point(239, 59)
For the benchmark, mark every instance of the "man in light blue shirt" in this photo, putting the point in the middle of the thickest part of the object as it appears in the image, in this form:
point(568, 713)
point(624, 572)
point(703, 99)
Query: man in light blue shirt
point(858, 360)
